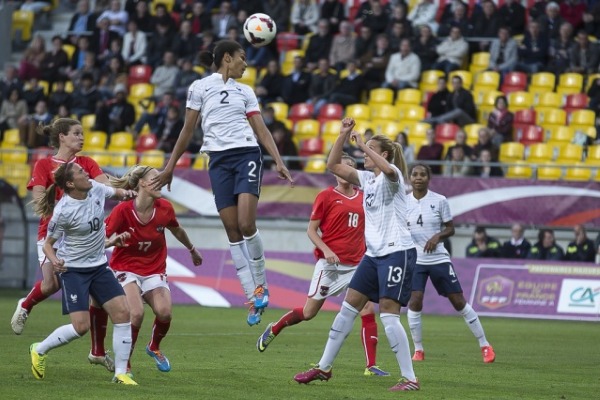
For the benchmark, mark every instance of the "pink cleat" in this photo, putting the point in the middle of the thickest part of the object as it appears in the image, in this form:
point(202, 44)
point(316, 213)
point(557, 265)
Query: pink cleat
point(312, 375)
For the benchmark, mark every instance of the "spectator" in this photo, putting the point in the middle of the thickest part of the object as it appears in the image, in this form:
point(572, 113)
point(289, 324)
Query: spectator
point(366, 9)
point(517, 246)
point(457, 163)
point(503, 53)
point(304, 16)
point(594, 95)
point(572, 11)
point(259, 57)
point(537, 10)
point(9, 81)
point(156, 118)
point(185, 77)
point(58, 97)
point(449, 8)
point(342, 46)
point(208, 41)
point(512, 14)
point(424, 14)
point(396, 33)
point(102, 38)
point(142, 16)
point(500, 122)
point(286, 146)
point(438, 103)
point(268, 114)
point(78, 57)
point(432, 151)
point(163, 77)
point(581, 249)
point(458, 20)
point(533, 52)
point(483, 246)
point(484, 169)
point(546, 247)
point(585, 57)
point(169, 130)
point(162, 41)
point(399, 17)
point(163, 17)
point(322, 82)
point(364, 44)
point(279, 11)
point(115, 115)
point(11, 111)
point(85, 97)
point(460, 107)
point(461, 141)
point(134, 45)
point(83, 20)
point(451, 52)
point(319, 45)
point(425, 47)
point(404, 68)
point(28, 125)
point(270, 86)
point(486, 25)
point(591, 20)
point(348, 90)
point(33, 55)
point(88, 67)
point(199, 19)
point(33, 93)
point(375, 62)
point(296, 84)
point(116, 50)
point(485, 143)
point(118, 18)
point(113, 75)
point(54, 64)
point(551, 21)
point(377, 19)
point(558, 52)
point(185, 43)
point(407, 149)
point(333, 11)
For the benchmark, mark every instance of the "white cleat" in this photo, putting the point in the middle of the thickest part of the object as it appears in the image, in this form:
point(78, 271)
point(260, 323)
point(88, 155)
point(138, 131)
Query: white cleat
point(106, 361)
point(19, 318)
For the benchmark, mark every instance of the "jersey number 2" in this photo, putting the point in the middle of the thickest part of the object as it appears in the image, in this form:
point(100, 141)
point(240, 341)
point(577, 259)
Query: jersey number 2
point(225, 95)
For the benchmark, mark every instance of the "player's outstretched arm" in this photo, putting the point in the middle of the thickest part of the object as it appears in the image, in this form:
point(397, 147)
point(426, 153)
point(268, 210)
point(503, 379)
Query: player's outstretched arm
point(124, 194)
point(334, 161)
point(181, 235)
point(381, 163)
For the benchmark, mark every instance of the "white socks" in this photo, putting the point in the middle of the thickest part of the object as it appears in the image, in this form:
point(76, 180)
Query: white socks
point(472, 321)
point(256, 258)
point(61, 336)
point(416, 328)
point(399, 343)
point(342, 325)
point(242, 267)
point(121, 346)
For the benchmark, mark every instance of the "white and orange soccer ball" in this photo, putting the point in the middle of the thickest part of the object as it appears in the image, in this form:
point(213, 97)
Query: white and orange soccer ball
point(260, 29)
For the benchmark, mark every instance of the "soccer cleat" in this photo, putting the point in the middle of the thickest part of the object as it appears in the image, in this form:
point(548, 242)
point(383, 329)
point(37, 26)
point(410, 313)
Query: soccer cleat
point(106, 361)
point(374, 370)
point(419, 355)
point(253, 315)
point(489, 356)
point(261, 297)
point(312, 375)
point(162, 362)
point(405, 385)
point(129, 373)
point(38, 362)
point(19, 318)
point(266, 338)
point(124, 379)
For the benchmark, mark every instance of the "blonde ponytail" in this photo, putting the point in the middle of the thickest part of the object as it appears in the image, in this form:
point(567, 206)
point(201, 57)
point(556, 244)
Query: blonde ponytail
point(131, 179)
point(395, 153)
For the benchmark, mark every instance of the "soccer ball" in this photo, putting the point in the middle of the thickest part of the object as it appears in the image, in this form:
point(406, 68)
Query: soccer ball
point(259, 29)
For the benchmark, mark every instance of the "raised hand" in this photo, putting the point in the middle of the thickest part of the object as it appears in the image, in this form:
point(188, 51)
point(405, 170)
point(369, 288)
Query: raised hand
point(347, 126)
point(163, 178)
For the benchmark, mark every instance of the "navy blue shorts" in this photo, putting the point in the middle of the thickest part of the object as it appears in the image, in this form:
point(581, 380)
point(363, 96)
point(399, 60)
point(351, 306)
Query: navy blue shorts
point(233, 172)
point(443, 277)
point(388, 276)
point(79, 283)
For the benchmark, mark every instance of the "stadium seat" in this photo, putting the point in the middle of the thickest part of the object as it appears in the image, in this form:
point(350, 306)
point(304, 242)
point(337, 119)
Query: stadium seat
point(45, 85)
point(281, 109)
point(582, 118)
point(409, 96)
point(41, 153)
point(287, 41)
point(94, 140)
point(529, 134)
point(69, 87)
point(387, 128)
point(358, 111)
point(549, 100)
point(249, 77)
point(153, 158)
point(121, 141)
point(550, 116)
point(328, 141)
point(479, 62)
point(120, 158)
point(542, 82)
point(466, 76)
point(446, 132)
point(167, 3)
point(289, 55)
point(22, 21)
point(593, 153)
point(14, 155)
point(316, 164)
point(570, 83)
point(472, 131)
point(576, 101)
point(88, 121)
point(146, 142)
point(539, 153)
point(519, 171)
point(570, 154)
point(511, 152)
point(140, 91)
point(560, 135)
point(415, 130)
point(514, 82)
point(331, 128)
point(485, 106)
point(362, 125)
point(185, 161)
point(429, 80)
point(384, 111)
point(590, 80)
point(101, 156)
point(411, 112)
point(139, 74)
point(306, 129)
point(525, 117)
point(549, 172)
point(11, 138)
point(17, 175)
point(381, 96)
point(519, 100)
point(300, 111)
point(311, 147)
point(487, 79)
point(579, 172)
point(201, 162)
point(69, 49)
point(330, 111)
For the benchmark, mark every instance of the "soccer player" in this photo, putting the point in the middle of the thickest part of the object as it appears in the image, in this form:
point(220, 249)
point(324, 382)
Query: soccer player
point(81, 264)
point(141, 267)
point(66, 135)
point(430, 223)
point(385, 271)
point(232, 122)
point(339, 216)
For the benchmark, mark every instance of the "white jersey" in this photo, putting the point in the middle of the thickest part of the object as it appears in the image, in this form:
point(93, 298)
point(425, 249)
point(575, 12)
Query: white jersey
point(224, 108)
point(81, 225)
point(385, 214)
point(426, 217)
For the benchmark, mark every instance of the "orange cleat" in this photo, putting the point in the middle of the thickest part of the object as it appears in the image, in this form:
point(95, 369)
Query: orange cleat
point(488, 354)
point(419, 355)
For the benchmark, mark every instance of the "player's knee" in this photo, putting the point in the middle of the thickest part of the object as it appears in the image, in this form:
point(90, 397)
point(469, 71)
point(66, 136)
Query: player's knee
point(309, 314)
point(248, 228)
point(164, 315)
point(458, 301)
point(137, 318)
point(81, 327)
point(50, 286)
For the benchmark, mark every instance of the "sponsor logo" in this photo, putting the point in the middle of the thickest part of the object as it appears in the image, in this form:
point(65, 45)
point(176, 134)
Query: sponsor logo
point(495, 292)
point(579, 296)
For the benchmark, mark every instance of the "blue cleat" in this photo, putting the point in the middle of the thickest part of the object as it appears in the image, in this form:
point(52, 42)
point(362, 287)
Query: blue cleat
point(374, 370)
point(266, 338)
point(261, 297)
point(162, 362)
point(253, 315)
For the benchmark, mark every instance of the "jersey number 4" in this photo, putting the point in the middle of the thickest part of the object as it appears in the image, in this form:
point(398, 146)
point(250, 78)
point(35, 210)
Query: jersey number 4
point(420, 220)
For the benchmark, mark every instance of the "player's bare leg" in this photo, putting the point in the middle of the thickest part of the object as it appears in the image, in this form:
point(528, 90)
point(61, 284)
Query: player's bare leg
point(471, 318)
point(159, 300)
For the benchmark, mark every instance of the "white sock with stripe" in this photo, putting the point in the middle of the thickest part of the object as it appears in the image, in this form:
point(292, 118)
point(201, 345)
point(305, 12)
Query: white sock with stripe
point(416, 328)
point(340, 329)
point(399, 344)
point(472, 321)
point(242, 268)
point(61, 336)
point(121, 346)
point(257, 258)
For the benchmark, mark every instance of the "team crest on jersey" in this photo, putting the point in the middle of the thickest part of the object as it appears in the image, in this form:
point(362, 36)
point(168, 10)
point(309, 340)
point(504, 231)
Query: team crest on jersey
point(121, 277)
point(51, 226)
point(163, 277)
point(432, 206)
point(97, 202)
point(160, 228)
point(73, 298)
point(324, 291)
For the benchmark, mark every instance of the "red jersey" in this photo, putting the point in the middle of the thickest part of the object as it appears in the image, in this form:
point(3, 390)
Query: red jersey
point(147, 250)
point(43, 175)
point(342, 224)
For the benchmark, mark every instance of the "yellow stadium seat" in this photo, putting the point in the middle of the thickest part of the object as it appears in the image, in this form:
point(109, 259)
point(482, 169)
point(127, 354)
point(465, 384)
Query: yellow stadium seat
point(316, 164)
point(362, 125)
point(550, 116)
point(45, 85)
point(94, 140)
point(281, 109)
point(306, 129)
point(570, 154)
point(386, 127)
point(345, 72)
point(479, 62)
point(489, 98)
point(328, 141)
point(199, 69)
point(384, 111)
point(287, 68)
point(411, 113)
point(472, 131)
point(249, 77)
point(140, 91)
point(580, 172)
point(559, 135)
point(429, 80)
point(22, 21)
point(358, 111)
point(409, 96)
point(590, 80)
point(153, 158)
point(582, 118)
point(101, 156)
point(511, 152)
point(542, 82)
point(201, 162)
point(331, 128)
point(519, 171)
point(167, 3)
point(17, 175)
point(519, 100)
point(415, 130)
point(68, 87)
point(466, 76)
point(291, 54)
point(570, 83)
point(549, 172)
point(486, 81)
point(122, 158)
point(14, 155)
point(549, 100)
point(88, 121)
point(588, 130)
point(381, 96)
point(539, 153)
point(121, 141)
point(593, 153)
point(288, 124)
point(69, 49)
point(11, 137)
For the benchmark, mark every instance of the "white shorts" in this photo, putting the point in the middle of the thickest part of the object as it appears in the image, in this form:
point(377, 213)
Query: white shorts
point(145, 283)
point(40, 250)
point(329, 280)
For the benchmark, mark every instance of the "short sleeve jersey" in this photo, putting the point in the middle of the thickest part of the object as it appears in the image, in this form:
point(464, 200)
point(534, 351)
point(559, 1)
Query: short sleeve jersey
point(385, 213)
point(43, 175)
point(147, 250)
point(426, 217)
point(225, 108)
point(342, 224)
point(80, 224)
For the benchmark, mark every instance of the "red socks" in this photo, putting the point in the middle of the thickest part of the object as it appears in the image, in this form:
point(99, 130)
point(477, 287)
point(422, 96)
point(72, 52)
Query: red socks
point(98, 322)
point(291, 318)
point(34, 297)
point(134, 335)
point(159, 331)
point(368, 335)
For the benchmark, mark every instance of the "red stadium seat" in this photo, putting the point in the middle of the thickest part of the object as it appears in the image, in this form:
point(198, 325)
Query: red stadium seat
point(330, 112)
point(146, 142)
point(514, 82)
point(531, 134)
point(300, 111)
point(525, 117)
point(139, 74)
point(446, 132)
point(311, 147)
point(185, 161)
point(576, 101)
point(40, 153)
point(287, 41)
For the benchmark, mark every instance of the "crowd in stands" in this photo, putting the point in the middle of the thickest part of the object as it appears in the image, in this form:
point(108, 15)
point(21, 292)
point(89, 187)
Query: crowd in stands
point(326, 54)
